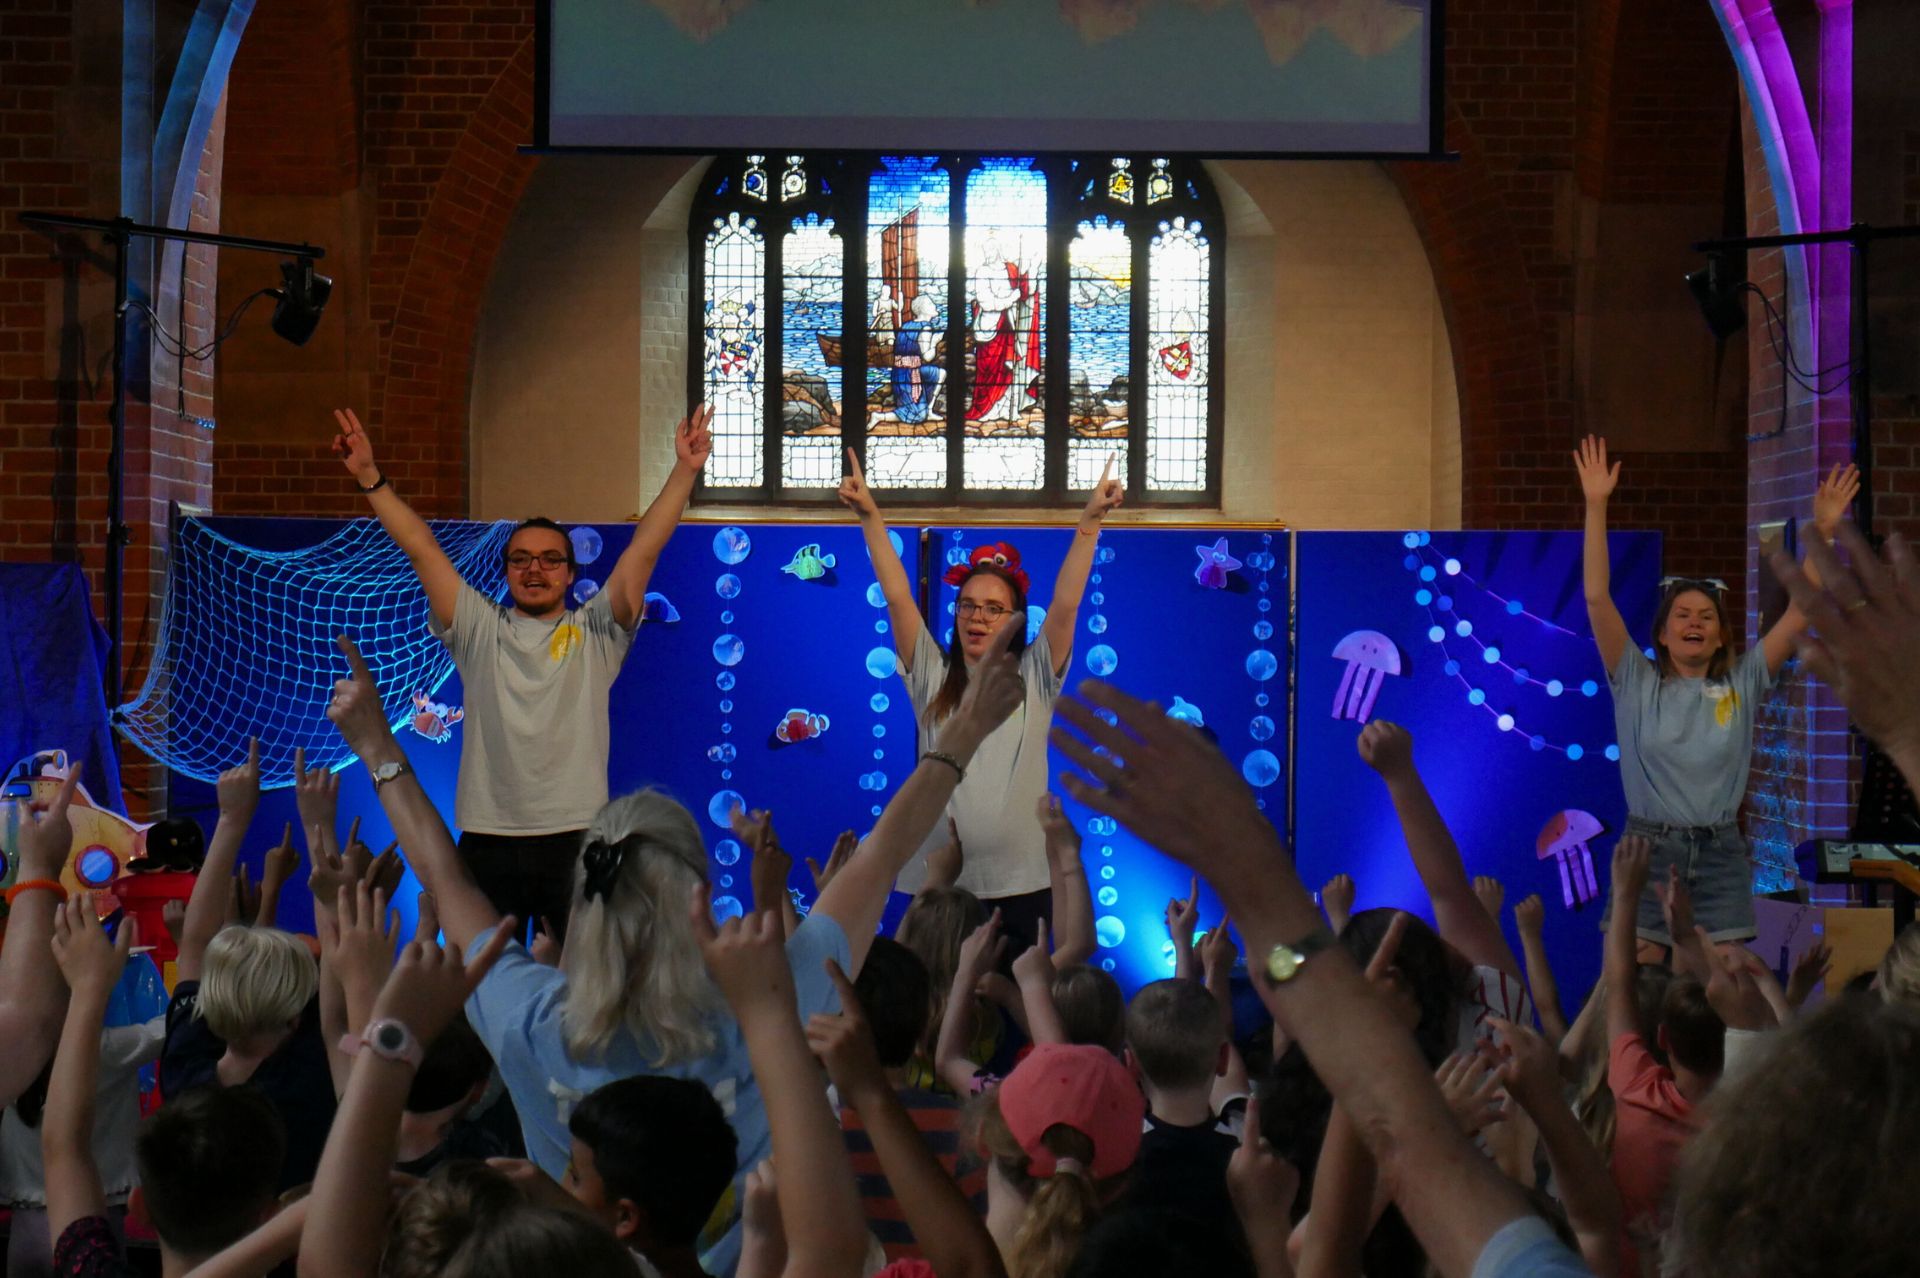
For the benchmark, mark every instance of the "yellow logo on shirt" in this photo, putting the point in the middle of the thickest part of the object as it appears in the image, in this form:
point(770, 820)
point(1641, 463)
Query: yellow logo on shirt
point(1726, 703)
point(566, 637)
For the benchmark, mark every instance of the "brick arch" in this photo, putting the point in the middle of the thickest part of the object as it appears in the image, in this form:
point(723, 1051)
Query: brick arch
point(1501, 354)
point(424, 371)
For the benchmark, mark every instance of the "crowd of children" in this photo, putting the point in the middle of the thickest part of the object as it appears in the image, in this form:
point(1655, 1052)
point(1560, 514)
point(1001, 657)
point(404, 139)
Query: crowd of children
point(646, 1091)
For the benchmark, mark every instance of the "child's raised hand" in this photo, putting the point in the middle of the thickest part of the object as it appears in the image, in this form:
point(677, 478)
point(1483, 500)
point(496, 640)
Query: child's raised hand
point(1630, 857)
point(1261, 1183)
point(432, 983)
point(844, 1041)
point(843, 849)
point(1472, 1089)
point(747, 958)
point(316, 793)
point(1834, 498)
point(1530, 916)
point(945, 862)
point(1035, 964)
point(1386, 747)
point(1492, 893)
point(238, 789)
point(368, 930)
point(90, 962)
point(1183, 915)
point(980, 952)
point(1336, 898)
point(1811, 968)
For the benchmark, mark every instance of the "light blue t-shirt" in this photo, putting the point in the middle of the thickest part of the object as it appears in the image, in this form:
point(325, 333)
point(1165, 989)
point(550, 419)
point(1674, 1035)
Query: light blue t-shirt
point(1685, 744)
point(1528, 1248)
point(516, 1012)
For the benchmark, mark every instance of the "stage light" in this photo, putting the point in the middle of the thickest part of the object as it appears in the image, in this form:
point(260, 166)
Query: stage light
point(297, 308)
point(1716, 289)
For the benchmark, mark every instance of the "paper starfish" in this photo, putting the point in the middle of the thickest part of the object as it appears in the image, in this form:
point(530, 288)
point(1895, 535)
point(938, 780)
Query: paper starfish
point(1215, 564)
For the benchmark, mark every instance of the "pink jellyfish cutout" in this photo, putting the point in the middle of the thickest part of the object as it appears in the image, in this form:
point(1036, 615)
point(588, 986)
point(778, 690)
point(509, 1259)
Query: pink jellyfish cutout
point(1565, 838)
point(1370, 658)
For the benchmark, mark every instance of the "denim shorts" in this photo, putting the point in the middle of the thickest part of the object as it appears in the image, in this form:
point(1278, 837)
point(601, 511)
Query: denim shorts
point(1716, 865)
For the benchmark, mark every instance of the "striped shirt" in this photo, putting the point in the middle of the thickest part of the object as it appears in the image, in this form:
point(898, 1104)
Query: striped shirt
point(938, 1120)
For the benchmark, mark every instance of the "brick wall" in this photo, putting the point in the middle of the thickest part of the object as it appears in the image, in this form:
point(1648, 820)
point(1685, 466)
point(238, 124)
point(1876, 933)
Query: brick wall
point(55, 324)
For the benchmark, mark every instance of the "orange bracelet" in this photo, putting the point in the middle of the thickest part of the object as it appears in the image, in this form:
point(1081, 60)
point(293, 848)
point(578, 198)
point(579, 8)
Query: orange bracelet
point(31, 885)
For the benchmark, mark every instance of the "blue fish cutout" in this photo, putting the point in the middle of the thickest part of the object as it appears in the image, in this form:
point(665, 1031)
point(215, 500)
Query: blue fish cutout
point(808, 564)
point(1186, 712)
point(659, 609)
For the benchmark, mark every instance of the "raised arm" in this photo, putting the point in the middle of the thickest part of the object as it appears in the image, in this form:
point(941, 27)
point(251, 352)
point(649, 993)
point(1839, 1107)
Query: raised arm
point(91, 965)
point(424, 993)
point(438, 576)
point(1460, 918)
point(979, 954)
point(1063, 610)
point(465, 911)
point(1581, 1180)
point(1073, 938)
point(903, 610)
point(1529, 919)
point(627, 583)
point(1597, 482)
point(1831, 502)
point(1178, 792)
point(1620, 967)
point(946, 1229)
point(1033, 974)
point(858, 893)
point(33, 998)
point(819, 1206)
point(238, 791)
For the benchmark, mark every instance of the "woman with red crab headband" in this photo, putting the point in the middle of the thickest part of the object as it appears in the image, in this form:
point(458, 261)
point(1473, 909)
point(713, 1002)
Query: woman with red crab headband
point(1685, 720)
point(993, 809)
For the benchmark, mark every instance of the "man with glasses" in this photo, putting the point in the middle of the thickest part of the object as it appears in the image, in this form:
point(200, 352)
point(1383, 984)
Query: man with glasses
point(536, 672)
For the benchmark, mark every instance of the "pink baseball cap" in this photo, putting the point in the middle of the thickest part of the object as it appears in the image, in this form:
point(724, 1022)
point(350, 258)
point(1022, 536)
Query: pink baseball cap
point(1078, 1086)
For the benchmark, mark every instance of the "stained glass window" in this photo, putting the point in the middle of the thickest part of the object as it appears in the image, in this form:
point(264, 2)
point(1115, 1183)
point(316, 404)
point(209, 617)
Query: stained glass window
point(813, 280)
point(733, 346)
point(1100, 348)
point(991, 329)
point(1178, 355)
point(1006, 245)
point(909, 210)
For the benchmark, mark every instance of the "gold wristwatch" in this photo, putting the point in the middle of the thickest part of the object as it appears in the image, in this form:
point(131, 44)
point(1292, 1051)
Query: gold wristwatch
point(1284, 961)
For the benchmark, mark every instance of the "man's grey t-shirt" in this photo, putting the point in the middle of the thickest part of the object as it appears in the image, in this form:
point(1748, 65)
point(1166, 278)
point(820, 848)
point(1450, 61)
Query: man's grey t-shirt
point(1685, 744)
point(994, 808)
point(534, 755)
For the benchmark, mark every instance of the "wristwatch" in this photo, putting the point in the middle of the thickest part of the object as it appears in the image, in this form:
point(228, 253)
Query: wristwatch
point(386, 1038)
point(1284, 961)
point(391, 770)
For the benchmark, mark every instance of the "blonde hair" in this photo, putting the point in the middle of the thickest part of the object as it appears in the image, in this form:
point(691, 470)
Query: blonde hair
point(1060, 1208)
point(1899, 975)
point(255, 980)
point(630, 959)
point(935, 924)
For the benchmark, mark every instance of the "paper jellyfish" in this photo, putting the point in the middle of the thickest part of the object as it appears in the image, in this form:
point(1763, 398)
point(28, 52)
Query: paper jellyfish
point(1564, 838)
point(1370, 658)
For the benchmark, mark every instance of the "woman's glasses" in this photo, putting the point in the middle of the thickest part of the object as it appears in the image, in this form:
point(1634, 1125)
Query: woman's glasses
point(991, 611)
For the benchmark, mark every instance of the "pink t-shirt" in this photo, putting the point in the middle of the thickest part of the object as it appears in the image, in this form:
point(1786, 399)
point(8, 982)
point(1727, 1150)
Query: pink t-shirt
point(1653, 1122)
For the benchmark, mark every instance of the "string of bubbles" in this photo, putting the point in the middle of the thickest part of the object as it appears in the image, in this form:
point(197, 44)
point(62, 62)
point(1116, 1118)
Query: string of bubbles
point(1439, 576)
point(731, 546)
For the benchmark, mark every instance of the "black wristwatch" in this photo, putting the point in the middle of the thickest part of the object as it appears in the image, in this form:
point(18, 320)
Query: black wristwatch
point(375, 486)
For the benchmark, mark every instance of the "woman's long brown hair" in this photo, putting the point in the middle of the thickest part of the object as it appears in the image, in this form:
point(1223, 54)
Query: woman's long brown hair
point(954, 687)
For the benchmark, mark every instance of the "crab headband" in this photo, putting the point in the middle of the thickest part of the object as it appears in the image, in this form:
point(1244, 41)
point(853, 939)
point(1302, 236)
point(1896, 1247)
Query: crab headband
point(999, 555)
